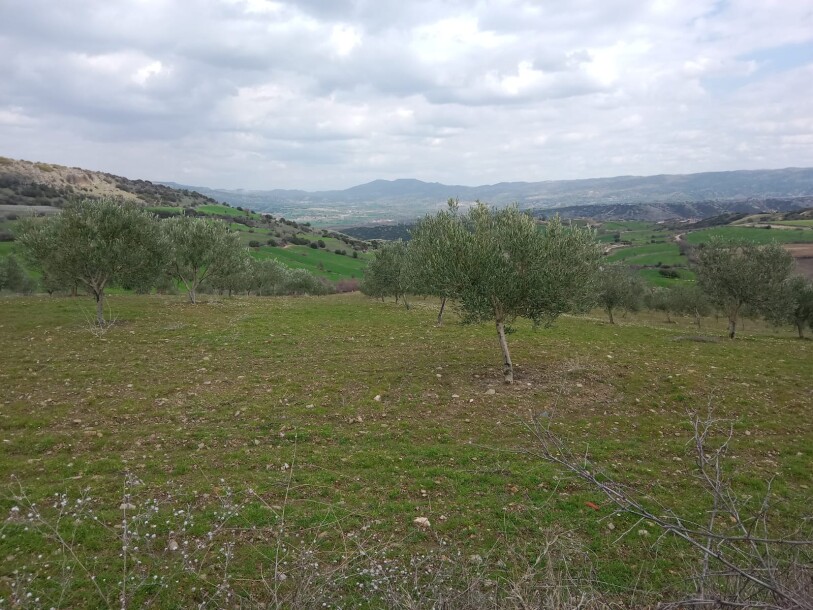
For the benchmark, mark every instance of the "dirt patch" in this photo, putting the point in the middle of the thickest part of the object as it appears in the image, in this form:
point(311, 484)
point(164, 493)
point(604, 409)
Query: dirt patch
point(803, 254)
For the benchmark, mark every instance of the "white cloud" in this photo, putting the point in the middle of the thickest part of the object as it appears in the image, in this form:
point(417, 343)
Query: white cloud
point(329, 93)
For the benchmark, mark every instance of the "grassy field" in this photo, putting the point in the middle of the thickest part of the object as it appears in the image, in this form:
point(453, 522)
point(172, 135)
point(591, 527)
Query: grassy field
point(795, 223)
point(755, 235)
point(248, 428)
point(321, 262)
point(650, 254)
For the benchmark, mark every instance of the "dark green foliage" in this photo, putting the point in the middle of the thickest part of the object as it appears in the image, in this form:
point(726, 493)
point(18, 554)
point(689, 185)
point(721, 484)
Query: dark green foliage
point(619, 288)
point(96, 244)
point(795, 305)
point(736, 275)
point(14, 277)
point(386, 275)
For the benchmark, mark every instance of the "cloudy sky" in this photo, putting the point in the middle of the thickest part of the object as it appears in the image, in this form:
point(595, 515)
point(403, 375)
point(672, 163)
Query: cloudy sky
point(319, 94)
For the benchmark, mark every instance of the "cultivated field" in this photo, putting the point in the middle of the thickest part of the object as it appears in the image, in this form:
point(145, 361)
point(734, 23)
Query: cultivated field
point(251, 443)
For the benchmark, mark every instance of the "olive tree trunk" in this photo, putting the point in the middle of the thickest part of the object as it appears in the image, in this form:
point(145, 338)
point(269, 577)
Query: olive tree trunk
point(507, 365)
point(610, 313)
point(732, 328)
point(99, 308)
point(440, 313)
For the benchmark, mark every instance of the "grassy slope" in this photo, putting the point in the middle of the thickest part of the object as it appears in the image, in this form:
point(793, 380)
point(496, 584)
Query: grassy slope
point(197, 399)
point(650, 254)
point(333, 266)
point(760, 236)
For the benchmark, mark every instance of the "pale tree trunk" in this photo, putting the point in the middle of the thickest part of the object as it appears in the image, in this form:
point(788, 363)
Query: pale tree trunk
point(193, 296)
point(406, 303)
point(610, 313)
point(99, 308)
point(697, 318)
point(440, 313)
point(507, 365)
point(733, 313)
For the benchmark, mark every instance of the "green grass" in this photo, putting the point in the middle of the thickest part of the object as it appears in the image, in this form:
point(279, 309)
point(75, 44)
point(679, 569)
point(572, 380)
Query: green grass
point(224, 210)
point(203, 401)
point(321, 262)
point(166, 208)
point(751, 234)
point(794, 223)
point(7, 247)
point(650, 254)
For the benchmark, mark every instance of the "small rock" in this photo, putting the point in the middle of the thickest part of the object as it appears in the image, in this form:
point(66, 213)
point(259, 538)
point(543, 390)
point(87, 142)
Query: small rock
point(282, 576)
point(126, 506)
point(643, 533)
point(491, 391)
point(377, 398)
point(285, 466)
point(475, 559)
point(455, 396)
point(172, 546)
point(610, 526)
point(422, 522)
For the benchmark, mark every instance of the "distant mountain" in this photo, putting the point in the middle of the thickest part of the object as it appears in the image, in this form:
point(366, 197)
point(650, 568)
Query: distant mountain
point(680, 211)
point(27, 183)
point(408, 198)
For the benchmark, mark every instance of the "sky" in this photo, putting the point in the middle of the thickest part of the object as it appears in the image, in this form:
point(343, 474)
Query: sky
point(324, 94)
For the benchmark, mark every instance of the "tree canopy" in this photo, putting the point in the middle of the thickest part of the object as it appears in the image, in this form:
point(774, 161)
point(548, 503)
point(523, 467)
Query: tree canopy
point(95, 243)
point(199, 249)
point(501, 265)
point(738, 275)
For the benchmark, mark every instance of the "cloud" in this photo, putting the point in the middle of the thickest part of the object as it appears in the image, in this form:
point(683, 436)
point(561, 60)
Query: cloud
point(329, 93)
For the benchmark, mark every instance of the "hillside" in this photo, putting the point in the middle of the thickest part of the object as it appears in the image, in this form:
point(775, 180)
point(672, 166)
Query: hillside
point(26, 183)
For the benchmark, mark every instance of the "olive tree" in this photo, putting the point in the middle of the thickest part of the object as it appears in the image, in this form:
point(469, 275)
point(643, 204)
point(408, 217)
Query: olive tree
point(386, 274)
point(688, 300)
point(795, 304)
point(269, 277)
point(14, 277)
point(199, 249)
point(501, 265)
point(742, 275)
point(619, 287)
point(433, 245)
point(96, 244)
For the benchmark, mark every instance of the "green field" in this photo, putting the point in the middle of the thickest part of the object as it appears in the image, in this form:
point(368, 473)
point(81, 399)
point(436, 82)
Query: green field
point(251, 433)
point(795, 223)
point(165, 208)
point(650, 254)
point(751, 234)
point(224, 210)
point(321, 262)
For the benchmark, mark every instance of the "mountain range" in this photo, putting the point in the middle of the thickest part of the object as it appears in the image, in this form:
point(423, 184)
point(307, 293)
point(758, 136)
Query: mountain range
point(408, 198)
